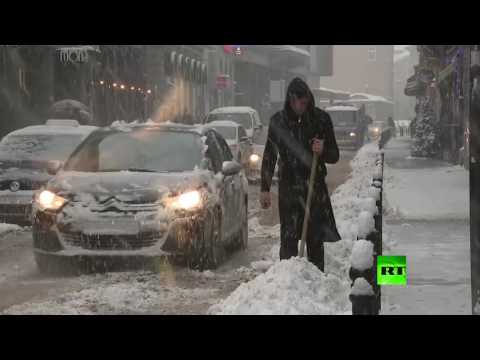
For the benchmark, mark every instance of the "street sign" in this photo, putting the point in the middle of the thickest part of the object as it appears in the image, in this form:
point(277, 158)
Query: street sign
point(223, 81)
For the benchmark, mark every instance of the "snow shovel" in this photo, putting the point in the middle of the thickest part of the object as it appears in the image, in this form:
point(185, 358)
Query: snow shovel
point(313, 175)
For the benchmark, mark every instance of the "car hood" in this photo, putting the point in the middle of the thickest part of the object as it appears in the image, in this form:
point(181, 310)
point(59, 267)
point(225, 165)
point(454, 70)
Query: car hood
point(128, 187)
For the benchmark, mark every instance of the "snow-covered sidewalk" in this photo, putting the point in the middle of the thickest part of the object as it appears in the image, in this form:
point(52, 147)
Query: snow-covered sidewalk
point(297, 287)
point(427, 204)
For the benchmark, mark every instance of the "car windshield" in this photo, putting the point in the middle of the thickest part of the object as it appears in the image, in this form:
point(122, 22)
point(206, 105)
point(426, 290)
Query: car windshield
point(228, 132)
point(38, 147)
point(139, 150)
point(242, 119)
point(343, 118)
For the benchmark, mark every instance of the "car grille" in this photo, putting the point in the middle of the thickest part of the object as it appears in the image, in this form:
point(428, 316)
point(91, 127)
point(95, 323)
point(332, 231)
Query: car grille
point(112, 242)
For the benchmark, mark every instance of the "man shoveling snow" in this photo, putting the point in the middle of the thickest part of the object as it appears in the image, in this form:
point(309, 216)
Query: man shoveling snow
point(296, 135)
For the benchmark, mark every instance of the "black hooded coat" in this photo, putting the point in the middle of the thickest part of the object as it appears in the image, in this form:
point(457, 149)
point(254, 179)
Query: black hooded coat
point(290, 139)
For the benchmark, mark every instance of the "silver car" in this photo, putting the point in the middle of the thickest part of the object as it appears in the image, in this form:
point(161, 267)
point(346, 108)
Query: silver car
point(26, 156)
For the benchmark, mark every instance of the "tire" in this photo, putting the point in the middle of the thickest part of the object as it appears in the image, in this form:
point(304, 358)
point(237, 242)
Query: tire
point(197, 252)
point(244, 230)
point(214, 243)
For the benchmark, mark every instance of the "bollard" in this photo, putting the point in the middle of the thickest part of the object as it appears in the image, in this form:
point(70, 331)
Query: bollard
point(363, 295)
point(366, 294)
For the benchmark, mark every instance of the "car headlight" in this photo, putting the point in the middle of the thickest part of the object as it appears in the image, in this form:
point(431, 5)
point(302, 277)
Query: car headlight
point(353, 134)
point(47, 200)
point(187, 201)
point(254, 158)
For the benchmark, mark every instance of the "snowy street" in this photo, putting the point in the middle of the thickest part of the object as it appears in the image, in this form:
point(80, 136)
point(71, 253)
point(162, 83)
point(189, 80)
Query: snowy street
point(428, 221)
point(23, 290)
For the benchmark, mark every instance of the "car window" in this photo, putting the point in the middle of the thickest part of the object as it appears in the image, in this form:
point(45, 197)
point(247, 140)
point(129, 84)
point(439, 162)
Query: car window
point(243, 119)
point(214, 152)
point(241, 132)
point(39, 147)
point(225, 149)
point(158, 151)
point(228, 132)
point(343, 118)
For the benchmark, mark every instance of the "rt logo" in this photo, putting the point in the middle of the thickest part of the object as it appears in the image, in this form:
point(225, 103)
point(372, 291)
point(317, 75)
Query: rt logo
point(391, 270)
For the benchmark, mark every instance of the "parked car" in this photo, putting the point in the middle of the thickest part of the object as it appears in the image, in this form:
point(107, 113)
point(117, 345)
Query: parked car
point(349, 125)
point(236, 137)
point(146, 193)
point(242, 115)
point(26, 157)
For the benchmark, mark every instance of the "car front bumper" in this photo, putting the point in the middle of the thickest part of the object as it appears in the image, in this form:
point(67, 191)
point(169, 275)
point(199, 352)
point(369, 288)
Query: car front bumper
point(51, 238)
point(16, 207)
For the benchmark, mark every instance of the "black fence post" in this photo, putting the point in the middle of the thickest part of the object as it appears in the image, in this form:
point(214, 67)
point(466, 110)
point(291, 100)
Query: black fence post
point(369, 302)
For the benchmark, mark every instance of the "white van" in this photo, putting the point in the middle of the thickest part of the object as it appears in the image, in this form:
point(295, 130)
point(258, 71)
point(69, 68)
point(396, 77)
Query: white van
point(242, 115)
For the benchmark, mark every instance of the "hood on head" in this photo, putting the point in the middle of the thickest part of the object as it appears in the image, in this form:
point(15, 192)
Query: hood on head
point(299, 88)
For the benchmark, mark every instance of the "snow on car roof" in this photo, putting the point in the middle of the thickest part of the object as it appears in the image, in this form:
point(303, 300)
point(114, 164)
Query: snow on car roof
point(54, 130)
point(233, 109)
point(341, 108)
point(367, 97)
point(122, 125)
point(223, 123)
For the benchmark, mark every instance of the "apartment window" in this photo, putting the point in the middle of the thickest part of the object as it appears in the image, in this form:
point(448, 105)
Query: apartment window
point(372, 53)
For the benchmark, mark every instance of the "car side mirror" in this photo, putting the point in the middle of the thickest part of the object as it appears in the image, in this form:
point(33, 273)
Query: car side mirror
point(231, 168)
point(53, 167)
point(205, 164)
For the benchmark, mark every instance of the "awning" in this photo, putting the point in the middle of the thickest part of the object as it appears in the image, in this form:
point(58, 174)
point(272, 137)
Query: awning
point(95, 48)
point(291, 49)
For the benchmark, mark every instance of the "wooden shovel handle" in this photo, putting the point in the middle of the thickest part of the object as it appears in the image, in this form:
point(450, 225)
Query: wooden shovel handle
point(311, 184)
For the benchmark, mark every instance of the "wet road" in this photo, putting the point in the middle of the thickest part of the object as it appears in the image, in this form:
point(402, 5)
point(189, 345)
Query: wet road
point(180, 290)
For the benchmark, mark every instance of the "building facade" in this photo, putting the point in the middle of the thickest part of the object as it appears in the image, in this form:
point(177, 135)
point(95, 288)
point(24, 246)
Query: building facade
point(362, 69)
point(405, 60)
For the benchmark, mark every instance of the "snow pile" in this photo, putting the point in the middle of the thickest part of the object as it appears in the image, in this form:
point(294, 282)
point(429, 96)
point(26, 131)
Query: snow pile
point(346, 201)
point(366, 224)
point(362, 287)
point(369, 203)
point(7, 228)
point(290, 287)
point(362, 255)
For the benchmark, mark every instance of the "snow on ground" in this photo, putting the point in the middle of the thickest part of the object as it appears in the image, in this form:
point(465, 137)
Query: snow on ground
point(118, 293)
point(446, 189)
point(296, 286)
point(7, 228)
